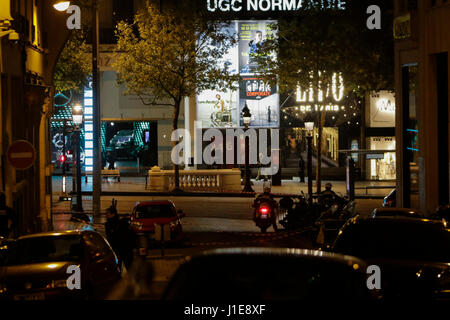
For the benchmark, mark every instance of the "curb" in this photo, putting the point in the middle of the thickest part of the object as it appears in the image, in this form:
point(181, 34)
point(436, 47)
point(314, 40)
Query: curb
point(207, 194)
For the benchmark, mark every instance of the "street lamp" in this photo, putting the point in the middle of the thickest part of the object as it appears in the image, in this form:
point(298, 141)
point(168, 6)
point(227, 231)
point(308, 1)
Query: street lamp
point(247, 116)
point(309, 126)
point(61, 5)
point(97, 161)
point(77, 119)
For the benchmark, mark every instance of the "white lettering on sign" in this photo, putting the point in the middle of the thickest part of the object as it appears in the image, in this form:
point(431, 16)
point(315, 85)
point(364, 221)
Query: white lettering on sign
point(385, 105)
point(336, 88)
point(272, 5)
point(20, 155)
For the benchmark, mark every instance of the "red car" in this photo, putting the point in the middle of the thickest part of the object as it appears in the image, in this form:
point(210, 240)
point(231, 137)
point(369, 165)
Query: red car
point(148, 214)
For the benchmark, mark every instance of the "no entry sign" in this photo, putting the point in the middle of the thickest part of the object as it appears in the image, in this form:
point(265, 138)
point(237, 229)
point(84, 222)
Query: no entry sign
point(21, 154)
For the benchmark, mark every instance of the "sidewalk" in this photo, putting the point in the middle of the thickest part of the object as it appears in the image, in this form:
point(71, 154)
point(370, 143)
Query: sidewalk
point(138, 184)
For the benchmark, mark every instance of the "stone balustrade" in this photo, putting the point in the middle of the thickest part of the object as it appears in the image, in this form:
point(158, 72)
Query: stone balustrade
point(212, 180)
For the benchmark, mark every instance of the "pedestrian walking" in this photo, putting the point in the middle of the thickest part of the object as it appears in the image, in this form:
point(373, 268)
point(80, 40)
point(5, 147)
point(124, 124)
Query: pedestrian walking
point(120, 235)
point(301, 169)
point(111, 160)
point(7, 218)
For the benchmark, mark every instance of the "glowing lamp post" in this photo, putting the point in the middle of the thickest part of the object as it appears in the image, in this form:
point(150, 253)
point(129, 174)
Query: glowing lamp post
point(247, 116)
point(77, 119)
point(309, 126)
point(97, 161)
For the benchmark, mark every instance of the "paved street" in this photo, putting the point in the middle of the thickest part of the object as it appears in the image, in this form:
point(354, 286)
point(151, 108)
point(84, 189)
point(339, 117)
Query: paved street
point(210, 222)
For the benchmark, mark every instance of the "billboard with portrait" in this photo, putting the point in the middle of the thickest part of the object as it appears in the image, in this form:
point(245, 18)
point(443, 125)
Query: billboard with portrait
point(223, 109)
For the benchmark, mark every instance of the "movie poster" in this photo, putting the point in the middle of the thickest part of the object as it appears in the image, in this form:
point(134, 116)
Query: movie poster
point(217, 109)
point(251, 34)
point(262, 99)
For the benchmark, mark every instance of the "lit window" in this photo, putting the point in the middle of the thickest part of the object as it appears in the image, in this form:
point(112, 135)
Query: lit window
point(88, 102)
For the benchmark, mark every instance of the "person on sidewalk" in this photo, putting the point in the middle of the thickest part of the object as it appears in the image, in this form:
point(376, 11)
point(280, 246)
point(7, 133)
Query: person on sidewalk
point(6, 218)
point(120, 236)
point(111, 160)
point(301, 169)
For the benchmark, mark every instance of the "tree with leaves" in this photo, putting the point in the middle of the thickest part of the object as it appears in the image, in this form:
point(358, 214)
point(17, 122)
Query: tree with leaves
point(317, 44)
point(167, 55)
point(74, 64)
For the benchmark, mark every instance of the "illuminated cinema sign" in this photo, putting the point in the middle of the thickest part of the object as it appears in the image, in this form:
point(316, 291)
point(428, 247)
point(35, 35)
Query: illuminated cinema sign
point(272, 5)
point(313, 100)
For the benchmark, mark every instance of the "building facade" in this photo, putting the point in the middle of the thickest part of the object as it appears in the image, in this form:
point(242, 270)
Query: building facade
point(421, 30)
point(31, 36)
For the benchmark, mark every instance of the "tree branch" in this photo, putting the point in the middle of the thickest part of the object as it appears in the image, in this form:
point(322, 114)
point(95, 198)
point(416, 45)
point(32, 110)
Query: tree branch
point(154, 102)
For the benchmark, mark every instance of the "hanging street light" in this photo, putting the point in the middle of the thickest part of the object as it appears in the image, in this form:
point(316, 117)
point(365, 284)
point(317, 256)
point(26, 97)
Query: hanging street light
point(61, 5)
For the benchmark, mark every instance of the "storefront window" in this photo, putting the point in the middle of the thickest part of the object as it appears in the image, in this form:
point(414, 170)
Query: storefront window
point(411, 134)
point(383, 166)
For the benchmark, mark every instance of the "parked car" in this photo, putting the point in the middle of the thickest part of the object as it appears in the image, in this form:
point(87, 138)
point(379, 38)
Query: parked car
point(390, 201)
point(266, 274)
point(396, 212)
point(413, 254)
point(34, 267)
point(147, 215)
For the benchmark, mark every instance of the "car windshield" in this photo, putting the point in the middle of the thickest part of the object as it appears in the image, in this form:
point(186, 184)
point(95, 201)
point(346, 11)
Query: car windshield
point(43, 249)
point(413, 241)
point(154, 211)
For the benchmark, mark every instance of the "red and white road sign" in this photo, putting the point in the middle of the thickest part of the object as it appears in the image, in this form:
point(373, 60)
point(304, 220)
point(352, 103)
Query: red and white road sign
point(21, 154)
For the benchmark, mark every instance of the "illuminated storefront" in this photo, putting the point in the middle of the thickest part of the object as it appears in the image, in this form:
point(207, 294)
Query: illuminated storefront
point(341, 118)
point(380, 122)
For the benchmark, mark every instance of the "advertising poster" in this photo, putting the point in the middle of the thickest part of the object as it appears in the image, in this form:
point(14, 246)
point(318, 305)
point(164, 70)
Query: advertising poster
point(223, 109)
point(251, 34)
point(261, 99)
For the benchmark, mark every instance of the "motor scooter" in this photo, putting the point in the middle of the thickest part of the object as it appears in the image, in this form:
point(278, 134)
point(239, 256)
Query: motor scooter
point(265, 213)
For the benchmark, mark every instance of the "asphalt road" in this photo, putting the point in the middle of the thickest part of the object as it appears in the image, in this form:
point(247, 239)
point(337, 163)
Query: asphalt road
point(209, 223)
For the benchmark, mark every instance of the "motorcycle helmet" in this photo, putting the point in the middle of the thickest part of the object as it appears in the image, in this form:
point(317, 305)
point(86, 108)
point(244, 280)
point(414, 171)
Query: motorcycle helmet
point(267, 186)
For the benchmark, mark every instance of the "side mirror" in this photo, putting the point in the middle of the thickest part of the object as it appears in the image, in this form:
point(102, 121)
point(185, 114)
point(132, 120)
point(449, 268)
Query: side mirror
point(181, 214)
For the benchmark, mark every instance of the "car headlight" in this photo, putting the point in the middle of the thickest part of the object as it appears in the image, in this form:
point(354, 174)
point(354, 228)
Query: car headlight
point(3, 288)
point(57, 284)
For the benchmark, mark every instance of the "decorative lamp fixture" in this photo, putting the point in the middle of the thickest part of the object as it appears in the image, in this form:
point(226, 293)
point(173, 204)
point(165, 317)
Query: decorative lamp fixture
point(77, 114)
point(246, 115)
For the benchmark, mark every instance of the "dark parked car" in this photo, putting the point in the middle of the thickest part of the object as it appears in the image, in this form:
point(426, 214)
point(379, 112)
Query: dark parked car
point(396, 212)
point(35, 266)
point(413, 254)
point(390, 201)
point(246, 274)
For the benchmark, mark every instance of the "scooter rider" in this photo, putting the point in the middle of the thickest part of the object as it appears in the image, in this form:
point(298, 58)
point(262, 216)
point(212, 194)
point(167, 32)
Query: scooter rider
point(273, 203)
point(328, 191)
